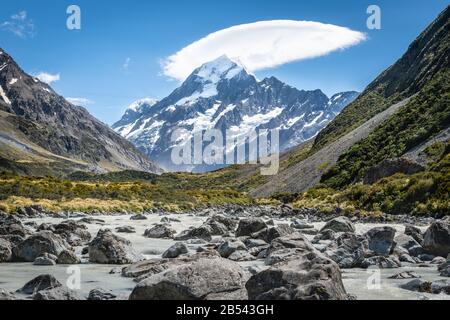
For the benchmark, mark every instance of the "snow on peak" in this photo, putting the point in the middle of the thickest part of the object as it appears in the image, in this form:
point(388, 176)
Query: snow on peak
point(220, 68)
point(136, 106)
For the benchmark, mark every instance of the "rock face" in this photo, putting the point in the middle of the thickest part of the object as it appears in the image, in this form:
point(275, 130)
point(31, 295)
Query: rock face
point(202, 279)
point(108, 248)
point(339, 224)
point(42, 282)
point(38, 244)
point(390, 167)
point(436, 239)
point(300, 273)
point(159, 231)
point(381, 240)
point(248, 226)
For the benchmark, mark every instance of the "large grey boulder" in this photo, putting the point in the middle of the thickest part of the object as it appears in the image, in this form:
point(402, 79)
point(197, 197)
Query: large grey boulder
point(347, 250)
point(436, 239)
point(68, 257)
point(38, 244)
point(381, 240)
point(201, 279)
point(10, 225)
point(159, 231)
point(108, 248)
point(74, 232)
point(5, 250)
point(42, 282)
point(339, 224)
point(302, 273)
point(269, 234)
point(220, 224)
point(203, 232)
point(414, 232)
point(381, 262)
point(247, 226)
point(59, 294)
point(226, 248)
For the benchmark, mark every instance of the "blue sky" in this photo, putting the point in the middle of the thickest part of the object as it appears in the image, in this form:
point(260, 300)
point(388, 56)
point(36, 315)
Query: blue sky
point(91, 61)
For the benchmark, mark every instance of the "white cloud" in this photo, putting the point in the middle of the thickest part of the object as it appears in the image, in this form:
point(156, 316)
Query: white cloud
point(262, 45)
point(47, 77)
point(20, 25)
point(126, 64)
point(80, 101)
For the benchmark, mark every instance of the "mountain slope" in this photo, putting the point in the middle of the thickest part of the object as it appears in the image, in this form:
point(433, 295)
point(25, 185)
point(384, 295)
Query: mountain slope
point(42, 133)
point(425, 57)
point(222, 95)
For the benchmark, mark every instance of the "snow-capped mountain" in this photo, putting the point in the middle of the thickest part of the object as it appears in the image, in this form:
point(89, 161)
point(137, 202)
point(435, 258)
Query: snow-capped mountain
point(222, 95)
point(133, 112)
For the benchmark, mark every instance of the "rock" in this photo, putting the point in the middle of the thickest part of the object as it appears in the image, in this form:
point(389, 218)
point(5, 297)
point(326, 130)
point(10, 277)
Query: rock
point(11, 225)
point(414, 232)
point(269, 234)
point(247, 226)
point(68, 257)
point(75, 233)
point(390, 167)
point(339, 224)
point(381, 262)
point(251, 243)
point(44, 261)
point(381, 240)
point(138, 216)
point(326, 234)
point(108, 248)
point(126, 229)
point(440, 286)
point(426, 257)
point(7, 296)
point(5, 250)
point(416, 251)
point(300, 224)
point(228, 247)
point(174, 251)
point(202, 279)
point(405, 275)
point(445, 272)
point(100, 294)
point(90, 220)
point(38, 244)
point(436, 239)
point(202, 232)
point(347, 250)
point(13, 239)
point(303, 274)
point(417, 285)
point(241, 255)
point(169, 220)
point(406, 258)
point(220, 224)
point(42, 282)
point(438, 260)
point(85, 251)
point(159, 231)
point(58, 293)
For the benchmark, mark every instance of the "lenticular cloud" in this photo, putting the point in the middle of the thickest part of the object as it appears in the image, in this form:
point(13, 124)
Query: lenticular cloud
point(262, 45)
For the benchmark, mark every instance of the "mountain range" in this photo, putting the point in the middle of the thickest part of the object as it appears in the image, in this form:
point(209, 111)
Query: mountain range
point(223, 95)
point(42, 133)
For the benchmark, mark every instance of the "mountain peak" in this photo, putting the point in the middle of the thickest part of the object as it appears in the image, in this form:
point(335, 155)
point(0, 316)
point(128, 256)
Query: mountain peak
point(220, 68)
point(137, 105)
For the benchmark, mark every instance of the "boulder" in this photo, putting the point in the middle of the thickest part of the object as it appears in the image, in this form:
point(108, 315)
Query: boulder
point(203, 232)
point(176, 250)
point(436, 239)
point(10, 225)
point(381, 240)
point(7, 296)
point(38, 244)
point(68, 257)
point(303, 274)
point(159, 231)
point(5, 250)
point(42, 282)
point(138, 216)
point(405, 275)
point(100, 294)
point(381, 262)
point(241, 255)
point(414, 232)
point(108, 248)
point(58, 294)
point(339, 224)
point(44, 261)
point(126, 229)
point(390, 167)
point(300, 225)
point(226, 248)
point(202, 279)
point(269, 234)
point(220, 224)
point(347, 250)
point(247, 226)
point(417, 285)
